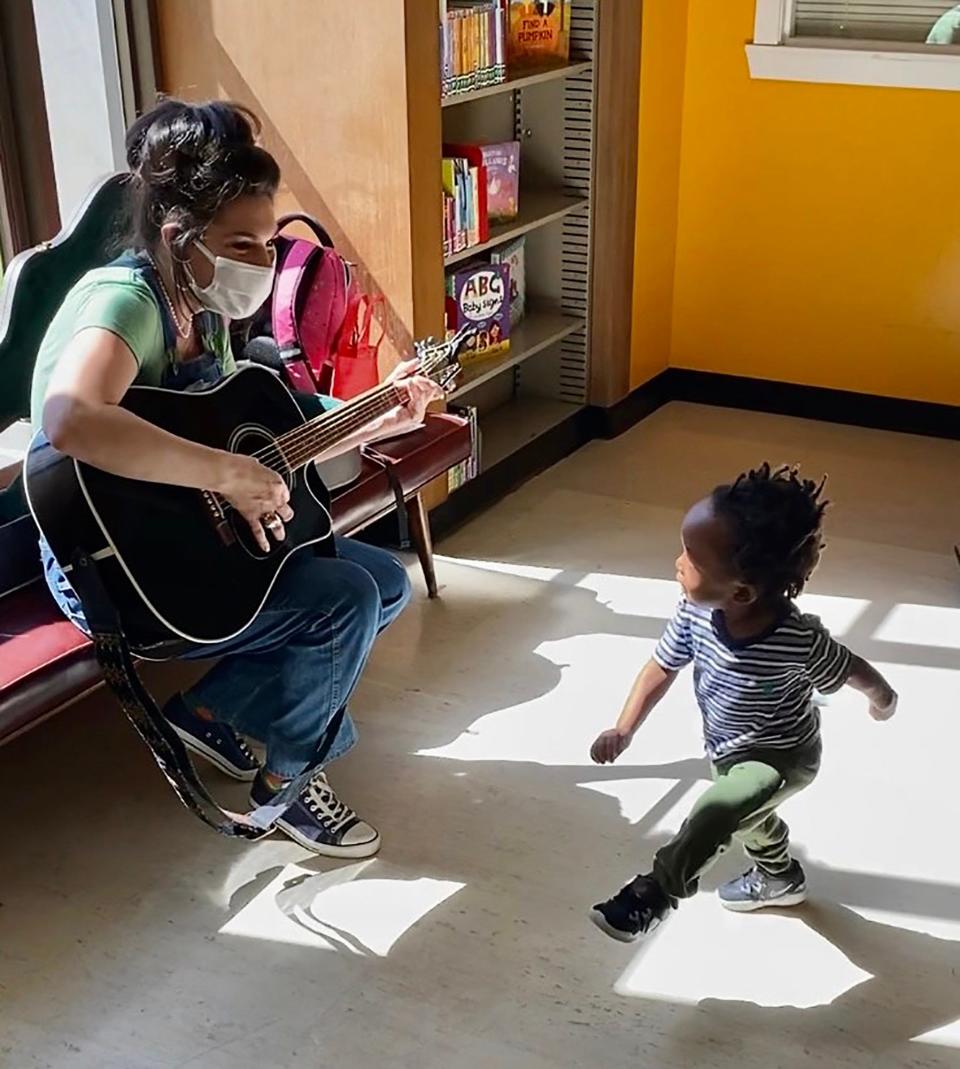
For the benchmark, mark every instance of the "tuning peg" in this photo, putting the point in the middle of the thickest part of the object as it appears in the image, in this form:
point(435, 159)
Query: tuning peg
point(448, 378)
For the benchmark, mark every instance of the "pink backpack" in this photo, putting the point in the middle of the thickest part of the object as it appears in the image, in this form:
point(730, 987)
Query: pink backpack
point(312, 294)
point(315, 329)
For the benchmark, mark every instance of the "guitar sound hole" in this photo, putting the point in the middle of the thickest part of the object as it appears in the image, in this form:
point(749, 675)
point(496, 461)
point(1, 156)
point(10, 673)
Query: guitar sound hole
point(253, 440)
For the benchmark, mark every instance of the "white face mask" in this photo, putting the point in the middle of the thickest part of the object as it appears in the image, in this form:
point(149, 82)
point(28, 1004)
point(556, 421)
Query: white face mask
point(237, 289)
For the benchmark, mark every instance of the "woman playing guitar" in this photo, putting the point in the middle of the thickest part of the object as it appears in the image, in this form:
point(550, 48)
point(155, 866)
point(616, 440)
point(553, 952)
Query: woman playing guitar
point(202, 253)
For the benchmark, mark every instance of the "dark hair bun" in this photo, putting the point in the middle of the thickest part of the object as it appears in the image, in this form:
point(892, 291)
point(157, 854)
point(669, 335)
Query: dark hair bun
point(190, 160)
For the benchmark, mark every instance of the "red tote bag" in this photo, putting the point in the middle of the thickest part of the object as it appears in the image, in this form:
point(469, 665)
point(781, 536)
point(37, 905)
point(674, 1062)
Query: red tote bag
point(355, 358)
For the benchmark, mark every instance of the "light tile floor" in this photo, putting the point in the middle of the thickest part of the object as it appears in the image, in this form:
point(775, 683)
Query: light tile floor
point(132, 938)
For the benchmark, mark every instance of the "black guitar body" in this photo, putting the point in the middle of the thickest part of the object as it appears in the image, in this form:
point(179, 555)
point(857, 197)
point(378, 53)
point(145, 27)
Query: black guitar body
point(179, 565)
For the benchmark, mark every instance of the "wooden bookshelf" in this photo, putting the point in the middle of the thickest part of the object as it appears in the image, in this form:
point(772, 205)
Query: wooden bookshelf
point(540, 328)
point(543, 377)
point(518, 423)
point(538, 207)
point(520, 80)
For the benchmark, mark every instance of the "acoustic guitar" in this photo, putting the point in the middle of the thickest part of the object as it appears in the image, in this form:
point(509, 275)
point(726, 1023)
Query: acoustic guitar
point(179, 565)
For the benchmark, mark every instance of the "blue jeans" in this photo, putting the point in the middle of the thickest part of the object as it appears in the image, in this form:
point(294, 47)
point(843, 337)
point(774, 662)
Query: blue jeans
point(284, 678)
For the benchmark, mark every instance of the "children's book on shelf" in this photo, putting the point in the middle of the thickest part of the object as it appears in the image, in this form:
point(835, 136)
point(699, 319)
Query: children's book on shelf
point(473, 45)
point(539, 32)
point(501, 165)
point(470, 467)
point(464, 203)
point(478, 296)
point(464, 164)
point(513, 255)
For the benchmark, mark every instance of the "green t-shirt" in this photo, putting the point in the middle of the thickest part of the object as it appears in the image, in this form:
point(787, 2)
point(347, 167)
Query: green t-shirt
point(120, 300)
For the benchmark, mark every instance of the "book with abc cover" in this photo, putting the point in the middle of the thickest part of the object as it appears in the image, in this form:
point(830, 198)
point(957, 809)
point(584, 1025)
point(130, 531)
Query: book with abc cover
point(478, 296)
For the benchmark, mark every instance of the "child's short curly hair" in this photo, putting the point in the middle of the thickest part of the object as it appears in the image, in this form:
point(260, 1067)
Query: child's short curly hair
point(776, 520)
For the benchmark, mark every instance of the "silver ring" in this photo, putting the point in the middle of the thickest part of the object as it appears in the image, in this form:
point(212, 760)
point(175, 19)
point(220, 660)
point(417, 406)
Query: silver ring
point(272, 522)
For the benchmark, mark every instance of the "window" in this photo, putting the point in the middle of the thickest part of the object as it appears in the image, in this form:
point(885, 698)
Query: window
point(28, 196)
point(918, 22)
point(908, 43)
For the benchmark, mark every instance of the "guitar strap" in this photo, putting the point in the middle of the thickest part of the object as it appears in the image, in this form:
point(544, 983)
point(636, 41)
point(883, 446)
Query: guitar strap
point(120, 673)
point(388, 464)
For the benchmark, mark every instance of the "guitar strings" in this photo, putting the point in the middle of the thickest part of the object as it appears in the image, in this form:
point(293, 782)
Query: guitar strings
point(335, 421)
point(300, 445)
point(289, 450)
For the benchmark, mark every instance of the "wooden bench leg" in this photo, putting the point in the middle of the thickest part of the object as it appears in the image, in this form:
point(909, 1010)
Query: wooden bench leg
point(420, 535)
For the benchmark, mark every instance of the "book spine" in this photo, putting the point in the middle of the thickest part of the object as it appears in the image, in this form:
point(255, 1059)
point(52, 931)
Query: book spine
point(485, 45)
point(492, 42)
point(474, 206)
point(475, 48)
point(481, 69)
point(457, 51)
point(466, 48)
point(456, 208)
point(473, 462)
point(464, 205)
point(444, 50)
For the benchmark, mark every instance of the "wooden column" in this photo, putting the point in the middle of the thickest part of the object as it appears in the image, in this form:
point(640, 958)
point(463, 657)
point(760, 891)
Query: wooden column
point(615, 203)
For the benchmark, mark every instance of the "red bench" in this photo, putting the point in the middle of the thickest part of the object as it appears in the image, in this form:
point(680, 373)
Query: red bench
point(46, 663)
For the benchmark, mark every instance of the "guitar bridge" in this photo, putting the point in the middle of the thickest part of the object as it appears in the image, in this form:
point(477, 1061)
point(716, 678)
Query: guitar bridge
point(217, 515)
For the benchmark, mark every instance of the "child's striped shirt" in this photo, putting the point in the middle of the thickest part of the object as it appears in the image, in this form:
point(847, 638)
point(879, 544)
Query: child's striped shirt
point(755, 694)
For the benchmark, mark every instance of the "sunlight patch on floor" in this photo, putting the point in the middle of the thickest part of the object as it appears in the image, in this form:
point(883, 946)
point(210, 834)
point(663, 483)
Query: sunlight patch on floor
point(925, 625)
point(520, 571)
point(556, 728)
point(339, 910)
point(947, 1036)
point(705, 952)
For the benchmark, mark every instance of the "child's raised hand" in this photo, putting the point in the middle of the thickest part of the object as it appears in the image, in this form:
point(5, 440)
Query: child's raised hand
point(609, 745)
point(883, 710)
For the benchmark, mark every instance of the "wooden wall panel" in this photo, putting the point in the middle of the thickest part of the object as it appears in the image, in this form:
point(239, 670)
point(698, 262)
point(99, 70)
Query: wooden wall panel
point(331, 82)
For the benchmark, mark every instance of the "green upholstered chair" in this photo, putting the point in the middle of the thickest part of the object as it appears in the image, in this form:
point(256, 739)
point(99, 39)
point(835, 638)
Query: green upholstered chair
point(37, 281)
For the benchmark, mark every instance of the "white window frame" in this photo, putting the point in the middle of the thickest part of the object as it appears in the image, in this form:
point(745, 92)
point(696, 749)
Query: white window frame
point(776, 55)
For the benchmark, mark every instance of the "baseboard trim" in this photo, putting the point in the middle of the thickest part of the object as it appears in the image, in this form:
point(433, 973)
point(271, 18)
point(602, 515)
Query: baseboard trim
point(814, 402)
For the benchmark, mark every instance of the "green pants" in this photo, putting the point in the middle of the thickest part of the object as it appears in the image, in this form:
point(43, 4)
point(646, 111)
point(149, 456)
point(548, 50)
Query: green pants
point(742, 804)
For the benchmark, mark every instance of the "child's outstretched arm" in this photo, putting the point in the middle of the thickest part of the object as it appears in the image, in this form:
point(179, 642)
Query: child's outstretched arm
point(650, 686)
point(865, 678)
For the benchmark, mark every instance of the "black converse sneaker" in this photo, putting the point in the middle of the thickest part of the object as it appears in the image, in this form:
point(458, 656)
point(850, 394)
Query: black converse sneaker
point(757, 889)
point(320, 822)
point(634, 911)
point(217, 742)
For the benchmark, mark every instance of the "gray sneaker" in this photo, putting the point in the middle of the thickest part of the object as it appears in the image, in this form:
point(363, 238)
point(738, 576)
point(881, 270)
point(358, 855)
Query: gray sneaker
point(757, 890)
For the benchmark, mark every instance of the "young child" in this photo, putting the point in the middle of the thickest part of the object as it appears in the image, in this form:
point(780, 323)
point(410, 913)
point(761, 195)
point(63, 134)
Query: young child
point(748, 550)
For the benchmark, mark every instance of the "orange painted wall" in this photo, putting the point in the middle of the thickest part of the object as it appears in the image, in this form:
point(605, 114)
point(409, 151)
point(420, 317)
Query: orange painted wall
point(818, 231)
point(661, 104)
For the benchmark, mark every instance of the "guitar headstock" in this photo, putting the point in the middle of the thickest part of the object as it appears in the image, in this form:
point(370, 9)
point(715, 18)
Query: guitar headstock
point(438, 359)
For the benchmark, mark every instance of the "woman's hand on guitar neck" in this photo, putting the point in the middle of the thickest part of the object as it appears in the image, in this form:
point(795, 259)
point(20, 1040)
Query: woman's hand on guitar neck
point(256, 492)
point(417, 393)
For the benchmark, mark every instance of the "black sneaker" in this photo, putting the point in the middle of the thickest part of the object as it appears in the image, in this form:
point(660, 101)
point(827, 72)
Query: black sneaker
point(757, 889)
point(217, 742)
point(320, 822)
point(261, 793)
point(636, 910)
